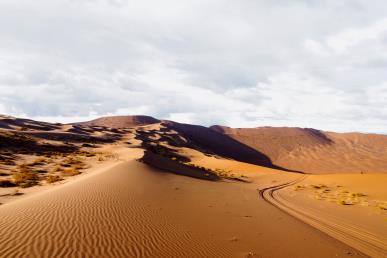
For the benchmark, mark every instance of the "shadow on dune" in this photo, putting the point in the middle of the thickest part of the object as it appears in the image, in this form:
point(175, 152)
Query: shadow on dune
point(74, 137)
point(21, 144)
point(27, 124)
point(165, 164)
point(222, 145)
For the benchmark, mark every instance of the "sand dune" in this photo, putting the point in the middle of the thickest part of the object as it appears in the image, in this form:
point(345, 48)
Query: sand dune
point(313, 151)
point(208, 204)
point(120, 121)
point(134, 211)
point(212, 142)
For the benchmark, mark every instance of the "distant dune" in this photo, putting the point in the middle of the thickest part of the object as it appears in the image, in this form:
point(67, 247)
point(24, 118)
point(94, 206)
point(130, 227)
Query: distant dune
point(314, 151)
point(216, 143)
point(120, 121)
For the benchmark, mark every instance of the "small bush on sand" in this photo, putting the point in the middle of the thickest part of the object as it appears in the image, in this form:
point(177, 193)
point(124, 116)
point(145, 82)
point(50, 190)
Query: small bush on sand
point(382, 206)
point(39, 161)
point(57, 168)
point(90, 154)
point(345, 202)
point(70, 172)
point(69, 161)
point(298, 187)
point(25, 177)
point(53, 178)
point(319, 186)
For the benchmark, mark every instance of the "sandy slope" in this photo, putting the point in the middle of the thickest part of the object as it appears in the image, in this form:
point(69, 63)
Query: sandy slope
point(314, 151)
point(132, 210)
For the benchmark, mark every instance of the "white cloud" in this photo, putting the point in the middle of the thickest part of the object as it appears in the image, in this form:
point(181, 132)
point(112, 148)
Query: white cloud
point(303, 63)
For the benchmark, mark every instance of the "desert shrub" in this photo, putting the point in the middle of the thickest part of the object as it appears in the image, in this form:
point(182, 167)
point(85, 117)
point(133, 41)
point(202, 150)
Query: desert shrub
point(382, 206)
point(298, 187)
point(25, 177)
point(53, 178)
point(73, 160)
point(38, 161)
point(345, 202)
point(70, 172)
point(7, 183)
point(90, 154)
point(57, 168)
point(319, 186)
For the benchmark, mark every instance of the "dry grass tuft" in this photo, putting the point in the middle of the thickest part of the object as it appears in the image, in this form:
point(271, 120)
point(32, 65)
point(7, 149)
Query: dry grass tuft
point(382, 206)
point(319, 186)
point(345, 202)
point(53, 178)
point(70, 172)
point(298, 187)
point(25, 176)
point(39, 161)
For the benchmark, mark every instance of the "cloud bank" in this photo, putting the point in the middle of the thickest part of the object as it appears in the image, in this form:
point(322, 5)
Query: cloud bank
point(301, 63)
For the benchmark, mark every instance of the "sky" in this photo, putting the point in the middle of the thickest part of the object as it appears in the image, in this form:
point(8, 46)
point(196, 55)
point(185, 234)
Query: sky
point(245, 63)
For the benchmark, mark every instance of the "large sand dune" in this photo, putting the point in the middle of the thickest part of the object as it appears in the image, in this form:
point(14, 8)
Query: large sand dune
point(131, 210)
point(208, 192)
point(314, 151)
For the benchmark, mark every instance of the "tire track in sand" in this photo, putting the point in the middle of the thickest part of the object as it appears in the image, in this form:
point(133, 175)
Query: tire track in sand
point(337, 227)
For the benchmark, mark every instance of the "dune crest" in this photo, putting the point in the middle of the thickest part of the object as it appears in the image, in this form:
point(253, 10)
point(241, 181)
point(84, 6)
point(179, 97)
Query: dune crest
point(120, 121)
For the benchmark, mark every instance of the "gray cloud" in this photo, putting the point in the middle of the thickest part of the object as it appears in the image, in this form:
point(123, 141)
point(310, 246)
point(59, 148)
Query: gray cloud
point(246, 63)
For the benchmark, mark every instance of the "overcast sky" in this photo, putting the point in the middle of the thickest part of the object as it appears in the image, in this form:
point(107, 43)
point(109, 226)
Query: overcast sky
point(245, 63)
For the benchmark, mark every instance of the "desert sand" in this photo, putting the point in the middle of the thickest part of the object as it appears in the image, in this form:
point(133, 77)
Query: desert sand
point(132, 210)
point(163, 189)
point(313, 151)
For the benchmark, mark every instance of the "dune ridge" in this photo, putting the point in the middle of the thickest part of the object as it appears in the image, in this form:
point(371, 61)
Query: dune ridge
point(120, 121)
point(313, 151)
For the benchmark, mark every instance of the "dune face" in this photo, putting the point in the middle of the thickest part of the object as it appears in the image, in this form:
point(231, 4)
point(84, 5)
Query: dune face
point(314, 151)
point(219, 144)
point(121, 121)
point(131, 210)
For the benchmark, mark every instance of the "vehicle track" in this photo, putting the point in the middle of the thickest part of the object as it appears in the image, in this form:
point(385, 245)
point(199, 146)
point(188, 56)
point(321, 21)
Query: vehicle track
point(354, 236)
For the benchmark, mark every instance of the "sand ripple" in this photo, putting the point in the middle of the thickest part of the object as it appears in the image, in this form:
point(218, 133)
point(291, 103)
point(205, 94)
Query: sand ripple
point(105, 215)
